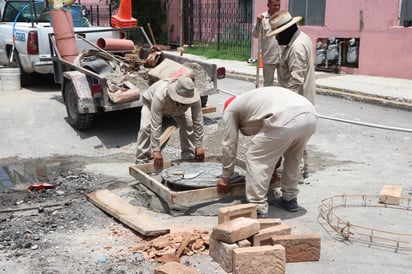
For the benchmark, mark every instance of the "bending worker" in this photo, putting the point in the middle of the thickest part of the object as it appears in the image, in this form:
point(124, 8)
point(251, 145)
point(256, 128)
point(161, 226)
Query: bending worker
point(178, 99)
point(281, 123)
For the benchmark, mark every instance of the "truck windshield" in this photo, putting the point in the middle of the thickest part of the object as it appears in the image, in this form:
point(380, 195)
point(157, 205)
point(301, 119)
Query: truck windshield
point(12, 8)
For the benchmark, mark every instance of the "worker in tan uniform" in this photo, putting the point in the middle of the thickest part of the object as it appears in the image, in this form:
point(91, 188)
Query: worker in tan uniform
point(178, 99)
point(296, 70)
point(281, 123)
point(269, 45)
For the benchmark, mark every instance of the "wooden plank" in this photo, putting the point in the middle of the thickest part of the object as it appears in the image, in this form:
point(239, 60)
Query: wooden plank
point(130, 215)
point(36, 206)
point(208, 109)
point(152, 184)
point(166, 135)
point(205, 194)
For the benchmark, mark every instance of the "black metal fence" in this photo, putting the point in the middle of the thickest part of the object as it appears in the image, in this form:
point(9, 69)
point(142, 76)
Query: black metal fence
point(97, 15)
point(223, 25)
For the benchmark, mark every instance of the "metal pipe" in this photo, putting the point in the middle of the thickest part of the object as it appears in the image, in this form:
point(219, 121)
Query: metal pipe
point(365, 124)
point(344, 120)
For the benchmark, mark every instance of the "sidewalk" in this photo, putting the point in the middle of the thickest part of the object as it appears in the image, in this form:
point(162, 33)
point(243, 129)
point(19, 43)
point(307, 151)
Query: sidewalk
point(392, 92)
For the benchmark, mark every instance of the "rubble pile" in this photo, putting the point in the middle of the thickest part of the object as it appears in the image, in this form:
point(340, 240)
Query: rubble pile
point(170, 247)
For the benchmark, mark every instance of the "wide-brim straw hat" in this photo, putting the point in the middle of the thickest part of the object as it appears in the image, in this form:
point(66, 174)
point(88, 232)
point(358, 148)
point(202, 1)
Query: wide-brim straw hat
point(281, 21)
point(182, 90)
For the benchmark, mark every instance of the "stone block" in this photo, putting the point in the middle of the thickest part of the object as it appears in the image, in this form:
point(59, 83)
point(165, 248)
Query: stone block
point(264, 237)
point(222, 253)
point(173, 268)
point(259, 259)
point(232, 212)
point(236, 230)
point(390, 195)
point(299, 247)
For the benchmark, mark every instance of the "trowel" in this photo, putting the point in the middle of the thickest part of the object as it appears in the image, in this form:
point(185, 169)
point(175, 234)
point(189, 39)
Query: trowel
point(188, 175)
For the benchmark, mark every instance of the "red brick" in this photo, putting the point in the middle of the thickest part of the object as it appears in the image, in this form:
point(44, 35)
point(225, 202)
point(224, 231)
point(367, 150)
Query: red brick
point(299, 247)
point(173, 268)
point(232, 212)
point(235, 230)
point(265, 223)
point(264, 237)
point(259, 259)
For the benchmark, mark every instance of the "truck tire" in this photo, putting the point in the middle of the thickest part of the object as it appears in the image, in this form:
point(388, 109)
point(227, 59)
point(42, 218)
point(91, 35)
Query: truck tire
point(25, 78)
point(204, 99)
point(77, 120)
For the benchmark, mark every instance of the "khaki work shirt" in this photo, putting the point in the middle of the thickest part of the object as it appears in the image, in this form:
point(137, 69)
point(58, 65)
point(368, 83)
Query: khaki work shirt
point(257, 108)
point(270, 47)
point(162, 105)
point(296, 69)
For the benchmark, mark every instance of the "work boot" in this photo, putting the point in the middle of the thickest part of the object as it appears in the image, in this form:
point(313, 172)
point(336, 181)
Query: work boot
point(291, 206)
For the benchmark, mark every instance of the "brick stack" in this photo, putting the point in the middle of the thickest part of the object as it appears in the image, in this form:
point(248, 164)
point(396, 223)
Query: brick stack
point(242, 244)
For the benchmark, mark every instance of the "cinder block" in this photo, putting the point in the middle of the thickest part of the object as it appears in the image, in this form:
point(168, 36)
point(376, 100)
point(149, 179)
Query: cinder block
point(236, 230)
point(264, 237)
point(390, 195)
point(299, 247)
point(265, 223)
point(232, 212)
point(259, 259)
point(222, 253)
point(173, 268)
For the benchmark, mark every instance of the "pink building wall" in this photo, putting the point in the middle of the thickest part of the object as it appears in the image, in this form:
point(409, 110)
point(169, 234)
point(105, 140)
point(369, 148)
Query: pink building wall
point(384, 45)
point(174, 21)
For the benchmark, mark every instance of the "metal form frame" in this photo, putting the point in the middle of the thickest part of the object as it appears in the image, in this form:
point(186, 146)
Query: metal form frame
point(350, 231)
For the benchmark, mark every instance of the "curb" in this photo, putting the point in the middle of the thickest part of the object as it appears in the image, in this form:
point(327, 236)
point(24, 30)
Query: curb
point(342, 93)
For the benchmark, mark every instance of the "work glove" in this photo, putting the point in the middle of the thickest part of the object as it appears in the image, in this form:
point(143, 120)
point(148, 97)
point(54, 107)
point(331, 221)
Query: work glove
point(157, 159)
point(223, 185)
point(199, 154)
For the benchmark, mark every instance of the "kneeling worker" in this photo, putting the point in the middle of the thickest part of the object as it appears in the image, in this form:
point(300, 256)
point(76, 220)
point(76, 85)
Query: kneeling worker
point(281, 123)
point(178, 99)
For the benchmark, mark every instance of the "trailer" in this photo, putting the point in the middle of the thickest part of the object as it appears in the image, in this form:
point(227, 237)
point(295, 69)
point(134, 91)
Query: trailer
point(102, 80)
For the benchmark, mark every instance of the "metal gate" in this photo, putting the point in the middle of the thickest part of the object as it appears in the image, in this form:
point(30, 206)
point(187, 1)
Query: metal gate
point(223, 25)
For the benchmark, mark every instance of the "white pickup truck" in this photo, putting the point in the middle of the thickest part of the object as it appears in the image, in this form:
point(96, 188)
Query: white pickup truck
point(24, 42)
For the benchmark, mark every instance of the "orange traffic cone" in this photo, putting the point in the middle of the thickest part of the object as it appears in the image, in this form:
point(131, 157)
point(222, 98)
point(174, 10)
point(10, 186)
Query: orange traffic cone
point(124, 18)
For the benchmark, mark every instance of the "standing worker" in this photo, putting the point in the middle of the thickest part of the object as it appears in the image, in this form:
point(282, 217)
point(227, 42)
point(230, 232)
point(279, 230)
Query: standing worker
point(296, 69)
point(178, 99)
point(269, 45)
point(281, 123)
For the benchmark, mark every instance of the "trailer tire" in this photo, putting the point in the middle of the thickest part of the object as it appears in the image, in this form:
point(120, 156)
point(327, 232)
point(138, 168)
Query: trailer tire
point(77, 120)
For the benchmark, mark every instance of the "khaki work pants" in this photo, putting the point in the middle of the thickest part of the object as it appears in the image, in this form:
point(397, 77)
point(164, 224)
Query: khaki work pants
point(265, 150)
point(144, 147)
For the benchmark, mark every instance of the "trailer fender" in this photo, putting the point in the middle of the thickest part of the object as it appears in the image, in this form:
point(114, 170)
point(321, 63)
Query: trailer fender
point(82, 89)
